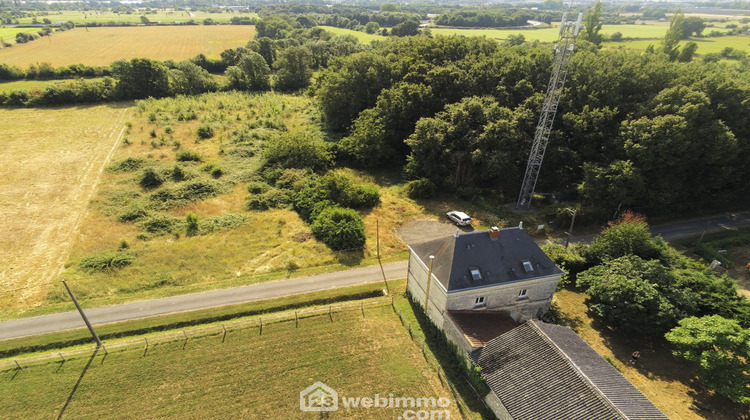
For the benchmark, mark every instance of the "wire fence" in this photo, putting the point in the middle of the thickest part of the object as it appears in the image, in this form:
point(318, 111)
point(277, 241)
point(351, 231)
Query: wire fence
point(224, 330)
point(463, 408)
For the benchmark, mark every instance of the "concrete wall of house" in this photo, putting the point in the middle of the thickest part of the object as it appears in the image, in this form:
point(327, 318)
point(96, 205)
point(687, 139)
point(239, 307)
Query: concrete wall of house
point(416, 283)
point(505, 297)
point(455, 335)
point(497, 407)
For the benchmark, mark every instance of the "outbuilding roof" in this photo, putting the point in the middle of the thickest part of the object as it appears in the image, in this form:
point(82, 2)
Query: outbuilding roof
point(476, 259)
point(545, 371)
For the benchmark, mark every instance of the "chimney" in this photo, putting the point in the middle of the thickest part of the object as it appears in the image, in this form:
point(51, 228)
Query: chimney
point(494, 233)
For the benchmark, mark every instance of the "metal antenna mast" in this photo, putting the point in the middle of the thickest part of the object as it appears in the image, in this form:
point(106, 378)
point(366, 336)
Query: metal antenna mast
point(563, 52)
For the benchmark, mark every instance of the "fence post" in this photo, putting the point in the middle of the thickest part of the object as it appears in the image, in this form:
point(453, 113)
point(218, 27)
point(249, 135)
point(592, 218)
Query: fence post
point(296, 320)
point(19, 366)
point(225, 333)
point(363, 309)
point(146, 340)
point(330, 314)
point(61, 356)
point(261, 325)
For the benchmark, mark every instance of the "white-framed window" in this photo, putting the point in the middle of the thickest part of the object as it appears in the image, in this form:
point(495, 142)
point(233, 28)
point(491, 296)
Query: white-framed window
point(475, 273)
point(527, 267)
point(522, 294)
point(479, 301)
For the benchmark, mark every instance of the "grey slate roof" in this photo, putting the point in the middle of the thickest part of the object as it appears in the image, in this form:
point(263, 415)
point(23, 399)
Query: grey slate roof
point(544, 371)
point(499, 260)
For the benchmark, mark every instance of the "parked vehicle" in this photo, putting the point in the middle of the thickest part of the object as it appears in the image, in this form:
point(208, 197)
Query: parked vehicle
point(459, 218)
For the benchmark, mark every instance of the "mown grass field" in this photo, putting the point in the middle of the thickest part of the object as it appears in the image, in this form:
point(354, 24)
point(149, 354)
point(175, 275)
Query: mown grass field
point(363, 37)
point(80, 18)
point(666, 380)
point(8, 35)
point(101, 46)
point(36, 85)
point(51, 165)
point(251, 375)
point(705, 45)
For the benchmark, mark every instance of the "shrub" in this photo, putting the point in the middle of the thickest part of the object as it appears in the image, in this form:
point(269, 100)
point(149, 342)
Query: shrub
point(302, 151)
point(293, 179)
point(216, 172)
point(158, 224)
point(188, 156)
point(257, 187)
point(339, 228)
point(271, 199)
point(107, 261)
point(178, 174)
point(421, 188)
point(150, 179)
point(132, 213)
point(126, 165)
point(191, 220)
point(205, 131)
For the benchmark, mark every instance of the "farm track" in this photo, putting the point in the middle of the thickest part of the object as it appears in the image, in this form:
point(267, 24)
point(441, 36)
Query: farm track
point(44, 206)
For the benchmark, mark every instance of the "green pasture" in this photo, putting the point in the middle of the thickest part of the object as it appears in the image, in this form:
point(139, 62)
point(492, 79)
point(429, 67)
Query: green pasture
point(705, 45)
point(253, 373)
point(9, 34)
point(363, 37)
point(32, 85)
point(168, 16)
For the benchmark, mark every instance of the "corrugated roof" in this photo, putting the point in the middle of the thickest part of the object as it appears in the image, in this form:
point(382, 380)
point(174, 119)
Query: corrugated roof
point(544, 371)
point(498, 260)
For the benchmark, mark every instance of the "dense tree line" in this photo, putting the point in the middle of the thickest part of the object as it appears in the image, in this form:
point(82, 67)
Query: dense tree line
point(494, 18)
point(633, 129)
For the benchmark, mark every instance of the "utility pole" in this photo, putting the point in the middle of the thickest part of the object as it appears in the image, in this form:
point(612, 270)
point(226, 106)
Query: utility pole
point(83, 315)
point(570, 230)
point(563, 52)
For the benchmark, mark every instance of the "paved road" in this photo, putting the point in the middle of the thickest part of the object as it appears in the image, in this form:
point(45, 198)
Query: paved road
point(69, 320)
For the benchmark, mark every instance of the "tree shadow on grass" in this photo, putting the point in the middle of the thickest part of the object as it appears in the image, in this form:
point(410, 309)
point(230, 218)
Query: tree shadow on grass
point(351, 258)
point(78, 383)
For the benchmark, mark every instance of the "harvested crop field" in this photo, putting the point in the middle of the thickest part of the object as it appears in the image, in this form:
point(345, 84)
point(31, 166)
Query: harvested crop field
point(51, 168)
point(101, 46)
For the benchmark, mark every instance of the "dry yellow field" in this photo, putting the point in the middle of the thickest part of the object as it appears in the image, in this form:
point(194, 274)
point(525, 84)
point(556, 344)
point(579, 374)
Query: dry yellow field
point(101, 46)
point(52, 162)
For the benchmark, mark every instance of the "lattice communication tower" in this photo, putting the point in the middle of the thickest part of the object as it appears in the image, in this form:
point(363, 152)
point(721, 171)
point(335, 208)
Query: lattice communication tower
point(563, 51)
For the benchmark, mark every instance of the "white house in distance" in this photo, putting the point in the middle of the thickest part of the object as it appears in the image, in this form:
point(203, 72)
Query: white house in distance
point(496, 275)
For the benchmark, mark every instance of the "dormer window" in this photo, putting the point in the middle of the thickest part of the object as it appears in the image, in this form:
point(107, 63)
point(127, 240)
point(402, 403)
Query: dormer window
point(479, 301)
point(527, 267)
point(475, 273)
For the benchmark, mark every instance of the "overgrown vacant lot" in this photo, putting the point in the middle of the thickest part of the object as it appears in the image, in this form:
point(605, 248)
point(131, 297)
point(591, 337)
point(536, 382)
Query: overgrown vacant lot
point(101, 46)
point(135, 241)
point(248, 376)
point(51, 166)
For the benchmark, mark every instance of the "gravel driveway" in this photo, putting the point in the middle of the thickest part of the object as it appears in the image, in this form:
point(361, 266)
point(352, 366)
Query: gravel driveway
point(423, 230)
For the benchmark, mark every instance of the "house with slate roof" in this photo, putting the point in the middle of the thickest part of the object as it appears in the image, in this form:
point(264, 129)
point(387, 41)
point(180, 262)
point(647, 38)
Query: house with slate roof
point(501, 272)
point(544, 371)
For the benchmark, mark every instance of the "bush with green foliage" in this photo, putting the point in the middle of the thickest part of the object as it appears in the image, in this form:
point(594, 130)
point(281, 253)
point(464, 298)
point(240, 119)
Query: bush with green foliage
point(174, 196)
point(720, 348)
point(150, 179)
point(628, 235)
point(270, 199)
point(205, 131)
point(636, 296)
point(334, 188)
point(159, 224)
point(188, 156)
point(339, 228)
point(300, 150)
point(132, 213)
point(126, 165)
point(107, 261)
point(191, 224)
point(421, 188)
